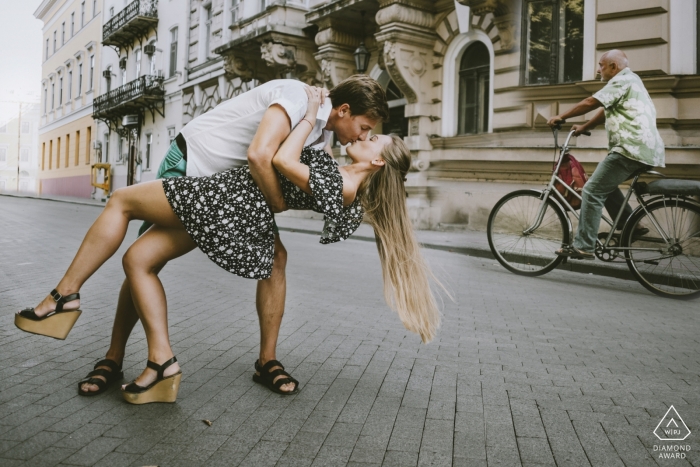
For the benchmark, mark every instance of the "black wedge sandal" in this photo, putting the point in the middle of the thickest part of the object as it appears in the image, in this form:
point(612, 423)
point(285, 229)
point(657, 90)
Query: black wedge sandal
point(267, 377)
point(111, 376)
point(56, 324)
point(163, 389)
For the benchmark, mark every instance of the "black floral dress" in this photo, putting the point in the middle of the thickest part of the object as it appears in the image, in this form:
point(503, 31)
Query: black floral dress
point(227, 216)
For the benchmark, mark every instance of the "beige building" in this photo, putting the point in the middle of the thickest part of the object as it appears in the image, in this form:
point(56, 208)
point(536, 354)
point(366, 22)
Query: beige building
point(71, 55)
point(471, 83)
point(19, 136)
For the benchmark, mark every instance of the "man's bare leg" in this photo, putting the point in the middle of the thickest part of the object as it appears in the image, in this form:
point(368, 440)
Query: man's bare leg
point(269, 302)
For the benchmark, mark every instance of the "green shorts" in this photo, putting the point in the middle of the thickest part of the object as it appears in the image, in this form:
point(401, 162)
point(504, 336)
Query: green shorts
point(174, 165)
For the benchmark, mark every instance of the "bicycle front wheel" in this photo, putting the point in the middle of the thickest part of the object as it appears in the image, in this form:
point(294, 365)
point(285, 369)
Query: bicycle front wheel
point(667, 259)
point(518, 241)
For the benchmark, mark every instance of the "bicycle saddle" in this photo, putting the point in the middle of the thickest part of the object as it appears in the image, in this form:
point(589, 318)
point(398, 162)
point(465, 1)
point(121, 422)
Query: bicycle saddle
point(670, 187)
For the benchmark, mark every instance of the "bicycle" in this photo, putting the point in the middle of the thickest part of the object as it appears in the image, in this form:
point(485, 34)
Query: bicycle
point(526, 227)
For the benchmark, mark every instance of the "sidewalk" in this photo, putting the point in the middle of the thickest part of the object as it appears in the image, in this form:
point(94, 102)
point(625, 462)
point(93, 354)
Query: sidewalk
point(465, 242)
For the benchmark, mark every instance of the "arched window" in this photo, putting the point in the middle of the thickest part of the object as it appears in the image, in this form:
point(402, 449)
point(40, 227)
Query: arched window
point(474, 78)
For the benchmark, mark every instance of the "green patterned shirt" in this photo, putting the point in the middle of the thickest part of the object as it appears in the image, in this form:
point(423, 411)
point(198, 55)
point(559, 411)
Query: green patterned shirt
point(630, 119)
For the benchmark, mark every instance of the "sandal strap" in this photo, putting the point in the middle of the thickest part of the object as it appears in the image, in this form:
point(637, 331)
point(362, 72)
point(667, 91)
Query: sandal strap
point(109, 363)
point(62, 299)
point(282, 381)
point(29, 313)
point(101, 384)
point(160, 368)
point(287, 378)
point(108, 375)
point(272, 363)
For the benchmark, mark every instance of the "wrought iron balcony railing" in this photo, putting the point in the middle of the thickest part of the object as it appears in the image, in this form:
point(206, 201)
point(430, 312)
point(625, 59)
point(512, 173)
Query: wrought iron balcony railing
point(132, 23)
point(145, 92)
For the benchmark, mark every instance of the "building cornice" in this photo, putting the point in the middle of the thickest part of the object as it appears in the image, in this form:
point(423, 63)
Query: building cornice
point(44, 8)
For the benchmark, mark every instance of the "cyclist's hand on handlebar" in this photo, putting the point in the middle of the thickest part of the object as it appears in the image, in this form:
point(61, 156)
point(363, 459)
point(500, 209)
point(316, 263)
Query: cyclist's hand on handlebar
point(580, 130)
point(555, 121)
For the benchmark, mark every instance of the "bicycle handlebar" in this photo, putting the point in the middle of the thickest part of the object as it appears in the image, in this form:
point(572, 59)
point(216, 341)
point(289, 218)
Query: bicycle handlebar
point(561, 122)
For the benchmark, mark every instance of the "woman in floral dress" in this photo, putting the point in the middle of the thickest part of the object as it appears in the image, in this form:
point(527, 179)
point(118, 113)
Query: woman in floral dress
point(226, 216)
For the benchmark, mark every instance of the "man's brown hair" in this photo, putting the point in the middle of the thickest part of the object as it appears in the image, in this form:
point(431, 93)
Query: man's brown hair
point(364, 95)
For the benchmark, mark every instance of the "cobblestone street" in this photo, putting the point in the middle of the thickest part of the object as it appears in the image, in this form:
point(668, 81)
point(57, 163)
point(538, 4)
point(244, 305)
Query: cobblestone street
point(568, 369)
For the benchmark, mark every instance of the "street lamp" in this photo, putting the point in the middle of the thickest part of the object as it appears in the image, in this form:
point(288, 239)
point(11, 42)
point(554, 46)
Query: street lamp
point(361, 53)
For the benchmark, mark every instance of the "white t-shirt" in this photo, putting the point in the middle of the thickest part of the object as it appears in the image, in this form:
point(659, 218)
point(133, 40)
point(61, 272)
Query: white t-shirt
point(219, 139)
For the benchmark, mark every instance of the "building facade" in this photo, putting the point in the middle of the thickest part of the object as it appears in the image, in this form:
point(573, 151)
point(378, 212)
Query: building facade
point(140, 109)
point(471, 83)
point(19, 141)
point(71, 57)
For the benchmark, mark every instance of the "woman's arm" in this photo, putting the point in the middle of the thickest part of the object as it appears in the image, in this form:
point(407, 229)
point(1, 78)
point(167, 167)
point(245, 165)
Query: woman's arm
point(286, 160)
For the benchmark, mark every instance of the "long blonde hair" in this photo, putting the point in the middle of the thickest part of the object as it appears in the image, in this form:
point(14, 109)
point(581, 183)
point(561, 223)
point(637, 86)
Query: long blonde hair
point(406, 275)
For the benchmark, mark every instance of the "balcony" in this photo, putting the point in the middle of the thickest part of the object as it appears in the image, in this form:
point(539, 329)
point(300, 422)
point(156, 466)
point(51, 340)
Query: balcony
point(131, 24)
point(144, 93)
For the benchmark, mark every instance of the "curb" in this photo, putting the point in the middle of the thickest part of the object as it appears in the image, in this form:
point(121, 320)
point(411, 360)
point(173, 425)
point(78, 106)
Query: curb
point(572, 266)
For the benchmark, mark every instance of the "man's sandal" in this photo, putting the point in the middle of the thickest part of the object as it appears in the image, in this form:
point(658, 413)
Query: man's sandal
point(574, 253)
point(267, 377)
point(56, 324)
point(113, 375)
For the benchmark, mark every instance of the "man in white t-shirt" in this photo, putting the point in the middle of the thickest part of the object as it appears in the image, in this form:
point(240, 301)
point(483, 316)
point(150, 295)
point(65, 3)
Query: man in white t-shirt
point(248, 129)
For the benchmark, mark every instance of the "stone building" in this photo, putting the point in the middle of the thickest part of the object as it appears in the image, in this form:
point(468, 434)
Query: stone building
point(71, 61)
point(471, 83)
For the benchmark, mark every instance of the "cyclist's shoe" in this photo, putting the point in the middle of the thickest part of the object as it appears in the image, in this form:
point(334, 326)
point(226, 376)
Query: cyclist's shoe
point(574, 253)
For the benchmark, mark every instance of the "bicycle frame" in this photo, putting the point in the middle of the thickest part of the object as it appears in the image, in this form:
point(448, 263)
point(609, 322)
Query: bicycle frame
point(550, 189)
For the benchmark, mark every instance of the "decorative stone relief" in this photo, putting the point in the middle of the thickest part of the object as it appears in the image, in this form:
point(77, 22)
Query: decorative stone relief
point(503, 18)
point(237, 67)
point(278, 55)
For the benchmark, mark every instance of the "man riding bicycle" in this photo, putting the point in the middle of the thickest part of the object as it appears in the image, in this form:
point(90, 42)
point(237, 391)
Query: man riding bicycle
point(634, 143)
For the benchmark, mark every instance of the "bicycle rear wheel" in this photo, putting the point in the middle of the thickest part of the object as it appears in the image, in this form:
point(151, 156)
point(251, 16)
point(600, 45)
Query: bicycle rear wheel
point(667, 262)
point(530, 254)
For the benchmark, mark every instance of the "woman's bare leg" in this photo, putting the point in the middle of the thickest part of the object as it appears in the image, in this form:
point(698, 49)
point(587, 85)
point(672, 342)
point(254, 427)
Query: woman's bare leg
point(145, 201)
point(145, 258)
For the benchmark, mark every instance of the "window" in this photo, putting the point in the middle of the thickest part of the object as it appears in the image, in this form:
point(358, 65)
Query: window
point(108, 78)
point(82, 14)
point(67, 149)
point(111, 12)
point(173, 52)
point(152, 62)
point(474, 77)
point(58, 152)
point(92, 72)
point(43, 156)
point(53, 94)
point(70, 85)
point(120, 149)
point(47, 49)
point(105, 145)
point(3, 155)
point(398, 123)
point(171, 134)
point(54, 42)
point(94, 8)
point(72, 24)
point(24, 155)
point(207, 29)
point(26, 128)
point(77, 147)
point(138, 63)
point(50, 153)
point(60, 91)
point(63, 33)
point(149, 149)
point(263, 5)
point(46, 99)
point(553, 38)
point(88, 141)
point(234, 11)
point(80, 79)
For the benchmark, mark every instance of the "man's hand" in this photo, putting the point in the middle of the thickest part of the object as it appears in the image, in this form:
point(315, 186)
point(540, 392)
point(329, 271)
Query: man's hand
point(554, 121)
point(579, 129)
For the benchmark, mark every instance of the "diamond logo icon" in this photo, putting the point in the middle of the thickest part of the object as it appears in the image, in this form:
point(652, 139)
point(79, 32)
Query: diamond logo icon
point(672, 427)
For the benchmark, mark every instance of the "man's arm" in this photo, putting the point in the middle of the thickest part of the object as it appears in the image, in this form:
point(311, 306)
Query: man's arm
point(272, 131)
point(582, 108)
point(597, 119)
